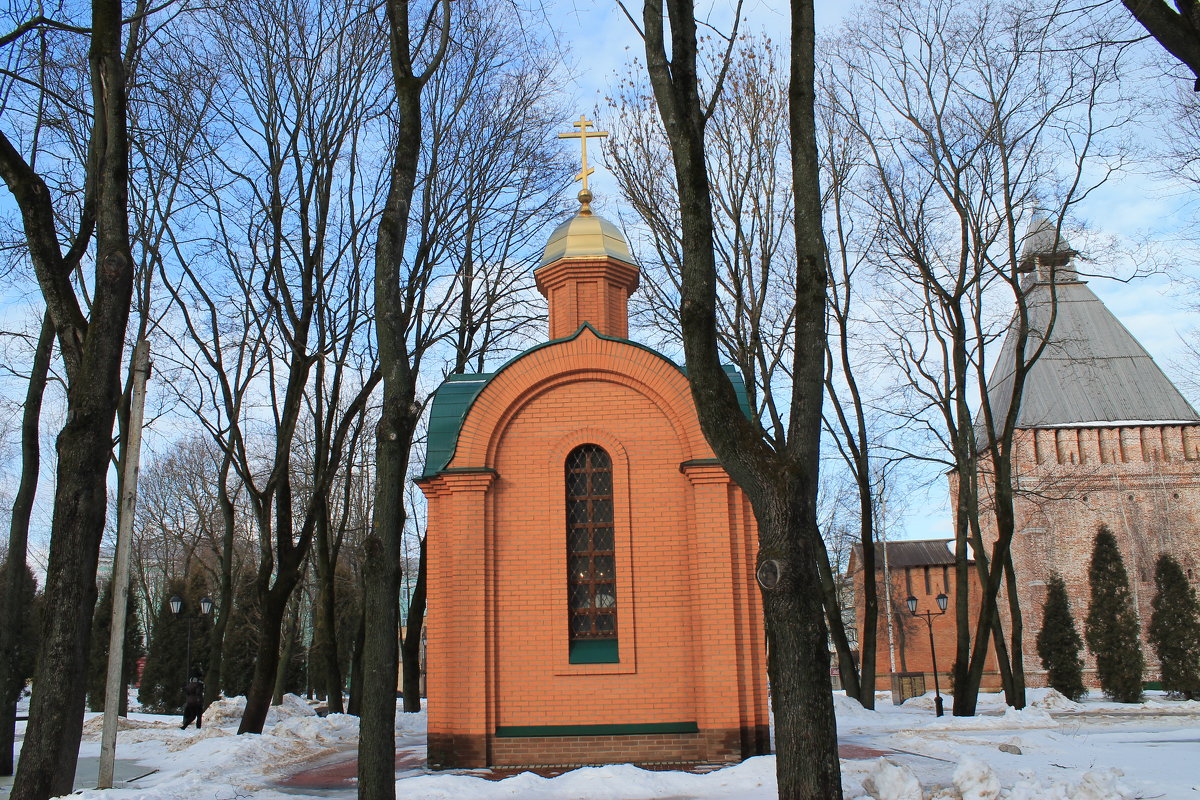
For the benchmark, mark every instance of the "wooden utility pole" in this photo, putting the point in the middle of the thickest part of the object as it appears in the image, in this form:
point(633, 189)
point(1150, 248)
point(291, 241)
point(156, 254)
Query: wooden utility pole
point(120, 591)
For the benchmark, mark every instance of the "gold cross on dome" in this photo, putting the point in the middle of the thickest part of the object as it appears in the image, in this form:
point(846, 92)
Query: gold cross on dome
point(583, 134)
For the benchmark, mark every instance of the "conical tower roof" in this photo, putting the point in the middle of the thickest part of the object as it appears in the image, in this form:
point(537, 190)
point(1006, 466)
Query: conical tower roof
point(1093, 371)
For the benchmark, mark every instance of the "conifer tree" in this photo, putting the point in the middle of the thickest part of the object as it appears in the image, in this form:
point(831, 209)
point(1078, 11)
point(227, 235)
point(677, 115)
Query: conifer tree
point(201, 624)
point(1112, 626)
point(1058, 642)
point(24, 654)
point(98, 656)
point(164, 676)
point(1175, 629)
point(241, 639)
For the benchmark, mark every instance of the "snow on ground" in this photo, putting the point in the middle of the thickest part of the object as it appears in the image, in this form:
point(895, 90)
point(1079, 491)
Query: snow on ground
point(1052, 750)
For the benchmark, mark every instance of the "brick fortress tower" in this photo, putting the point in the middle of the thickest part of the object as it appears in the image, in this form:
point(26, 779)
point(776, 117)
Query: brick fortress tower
point(1103, 437)
point(590, 565)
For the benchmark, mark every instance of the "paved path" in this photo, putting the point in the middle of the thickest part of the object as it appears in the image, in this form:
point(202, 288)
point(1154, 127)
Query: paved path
point(126, 773)
point(335, 775)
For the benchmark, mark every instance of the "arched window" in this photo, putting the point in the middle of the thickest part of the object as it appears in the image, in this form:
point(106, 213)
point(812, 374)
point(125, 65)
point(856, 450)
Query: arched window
point(591, 556)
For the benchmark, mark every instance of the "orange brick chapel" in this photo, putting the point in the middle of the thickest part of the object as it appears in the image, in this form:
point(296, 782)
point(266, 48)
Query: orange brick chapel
point(590, 565)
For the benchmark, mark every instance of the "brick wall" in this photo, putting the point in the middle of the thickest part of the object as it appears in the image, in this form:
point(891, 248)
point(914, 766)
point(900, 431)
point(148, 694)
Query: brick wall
point(689, 623)
point(905, 643)
point(1142, 481)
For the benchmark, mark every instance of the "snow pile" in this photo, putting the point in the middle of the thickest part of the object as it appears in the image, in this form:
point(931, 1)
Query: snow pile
point(847, 708)
point(225, 711)
point(1051, 700)
point(180, 741)
point(228, 710)
point(976, 780)
point(926, 702)
point(410, 723)
point(1188, 706)
point(94, 725)
point(753, 779)
point(289, 706)
point(891, 781)
point(332, 731)
point(1011, 718)
point(1093, 785)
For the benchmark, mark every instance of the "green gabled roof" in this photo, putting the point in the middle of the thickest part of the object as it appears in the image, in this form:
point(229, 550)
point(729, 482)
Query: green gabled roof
point(451, 402)
point(739, 387)
point(454, 398)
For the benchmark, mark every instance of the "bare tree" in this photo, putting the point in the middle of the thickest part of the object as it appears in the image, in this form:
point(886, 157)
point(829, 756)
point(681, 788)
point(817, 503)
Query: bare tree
point(780, 479)
point(847, 419)
point(91, 345)
point(746, 146)
point(1176, 29)
point(400, 298)
point(291, 208)
point(11, 649)
point(972, 115)
point(480, 205)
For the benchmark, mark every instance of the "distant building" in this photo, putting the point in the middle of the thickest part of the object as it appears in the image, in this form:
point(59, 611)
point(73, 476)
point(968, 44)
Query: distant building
point(1103, 437)
point(104, 566)
point(920, 568)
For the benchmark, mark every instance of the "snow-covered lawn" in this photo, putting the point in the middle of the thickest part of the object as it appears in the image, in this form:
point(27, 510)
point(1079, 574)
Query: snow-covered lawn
point(1053, 750)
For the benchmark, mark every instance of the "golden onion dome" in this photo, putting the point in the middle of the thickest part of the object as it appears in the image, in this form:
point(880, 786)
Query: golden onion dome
point(586, 235)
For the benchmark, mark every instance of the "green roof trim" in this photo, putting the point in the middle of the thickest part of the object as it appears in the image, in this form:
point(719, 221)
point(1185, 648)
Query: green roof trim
point(452, 400)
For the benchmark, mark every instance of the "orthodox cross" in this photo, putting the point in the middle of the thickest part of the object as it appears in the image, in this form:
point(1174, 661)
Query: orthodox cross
point(583, 134)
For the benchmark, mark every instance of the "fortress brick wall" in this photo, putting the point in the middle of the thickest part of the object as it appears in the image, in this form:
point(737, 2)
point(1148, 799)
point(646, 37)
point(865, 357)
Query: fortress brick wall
point(1142, 481)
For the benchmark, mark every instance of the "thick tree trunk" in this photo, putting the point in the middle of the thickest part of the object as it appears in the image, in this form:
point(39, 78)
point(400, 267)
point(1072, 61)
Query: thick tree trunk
point(781, 486)
point(11, 681)
point(964, 700)
point(266, 661)
point(868, 636)
point(382, 554)
point(411, 655)
point(397, 423)
point(92, 352)
point(798, 664)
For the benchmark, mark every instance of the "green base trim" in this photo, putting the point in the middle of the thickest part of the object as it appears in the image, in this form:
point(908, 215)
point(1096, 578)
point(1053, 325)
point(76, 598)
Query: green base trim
point(627, 729)
point(1152, 686)
point(594, 651)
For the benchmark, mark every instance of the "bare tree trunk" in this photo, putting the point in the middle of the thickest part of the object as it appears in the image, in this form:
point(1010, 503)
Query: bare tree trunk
point(781, 486)
point(356, 665)
point(214, 680)
point(92, 350)
point(837, 627)
point(398, 419)
point(411, 655)
point(1016, 635)
point(325, 627)
point(11, 681)
point(266, 660)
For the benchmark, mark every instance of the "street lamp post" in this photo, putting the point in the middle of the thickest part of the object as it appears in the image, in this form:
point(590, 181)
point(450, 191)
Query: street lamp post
point(942, 600)
point(206, 606)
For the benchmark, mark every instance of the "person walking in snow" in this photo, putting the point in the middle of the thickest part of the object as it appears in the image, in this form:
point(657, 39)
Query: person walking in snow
point(193, 701)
